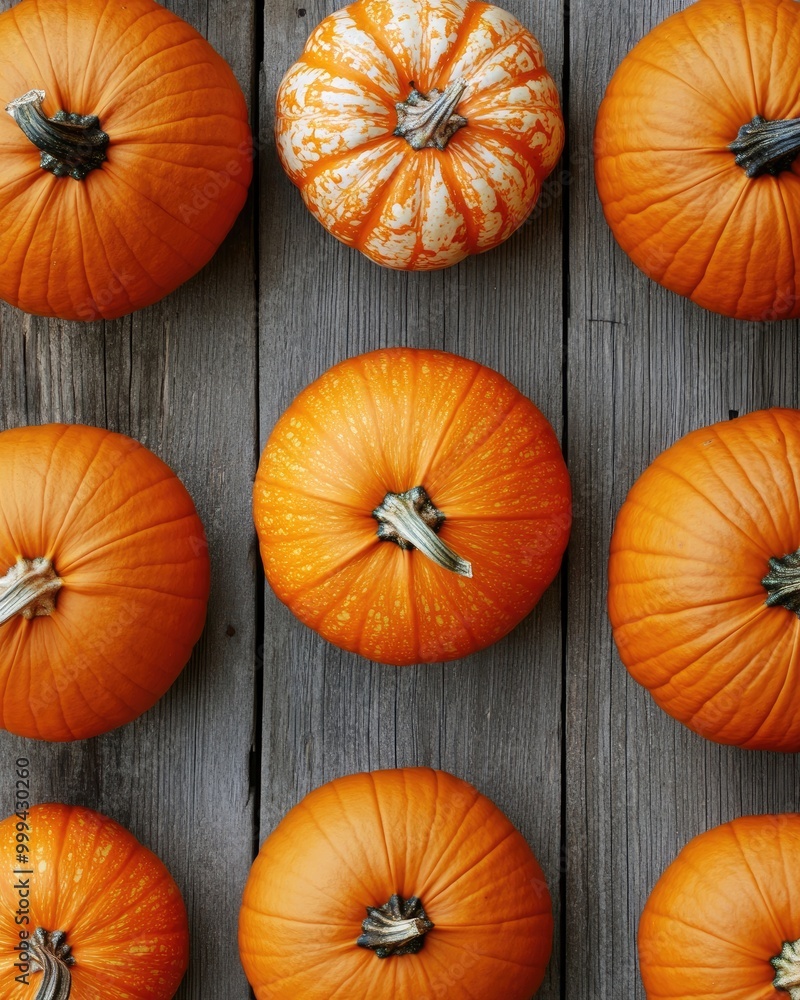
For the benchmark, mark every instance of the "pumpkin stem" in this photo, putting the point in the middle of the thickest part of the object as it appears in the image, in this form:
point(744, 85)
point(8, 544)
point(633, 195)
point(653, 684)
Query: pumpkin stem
point(782, 583)
point(787, 969)
point(29, 589)
point(411, 521)
point(396, 928)
point(429, 120)
point(764, 147)
point(52, 956)
point(71, 145)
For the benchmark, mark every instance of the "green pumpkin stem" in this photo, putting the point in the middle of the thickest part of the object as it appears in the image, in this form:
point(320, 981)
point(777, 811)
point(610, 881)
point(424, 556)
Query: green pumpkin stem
point(767, 147)
point(396, 928)
point(787, 969)
point(52, 956)
point(782, 583)
point(411, 521)
point(29, 589)
point(71, 145)
point(430, 120)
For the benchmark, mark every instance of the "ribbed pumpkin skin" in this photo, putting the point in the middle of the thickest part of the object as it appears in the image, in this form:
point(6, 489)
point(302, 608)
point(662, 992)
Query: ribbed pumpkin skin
point(357, 841)
point(124, 536)
point(178, 168)
point(419, 209)
point(690, 547)
point(392, 420)
point(676, 200)
point(118, 905)
point(721, 911)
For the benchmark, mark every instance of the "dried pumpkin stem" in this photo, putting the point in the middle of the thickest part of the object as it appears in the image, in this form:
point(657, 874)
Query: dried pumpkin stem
point(782, 583)
point(52, 956)
point(430, 120)
point(411, 521)
point(787, 970)
point(71, 145)
point(396, 928)
point(764, 147)
point(29, 589)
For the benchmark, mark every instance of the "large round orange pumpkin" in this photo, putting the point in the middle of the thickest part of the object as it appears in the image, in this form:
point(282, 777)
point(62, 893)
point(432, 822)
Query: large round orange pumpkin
point(412, 506)
point(86, 912)
point(723, 922)
point(405, 883)
point(420, 131)
point(697, 148)
point(104, 579)
point(125, 155)
point(704, 580)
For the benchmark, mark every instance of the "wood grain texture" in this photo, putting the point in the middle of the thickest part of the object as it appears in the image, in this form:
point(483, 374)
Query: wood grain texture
point(181, 378)
point(494, 718)
point(644, 368)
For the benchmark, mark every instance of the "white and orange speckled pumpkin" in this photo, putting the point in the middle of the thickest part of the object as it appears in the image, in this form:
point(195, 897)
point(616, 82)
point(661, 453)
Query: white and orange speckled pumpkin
point(420, 131)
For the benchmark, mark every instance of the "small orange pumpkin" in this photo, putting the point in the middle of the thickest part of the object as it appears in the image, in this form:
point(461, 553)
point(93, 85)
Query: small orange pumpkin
point(723, 922)
point(704, 580)
point(105, 585)
point(125, 155)
point(412, 506)
point(419, 131)
point(86, 912)
point(697, 163)
point(456, 904)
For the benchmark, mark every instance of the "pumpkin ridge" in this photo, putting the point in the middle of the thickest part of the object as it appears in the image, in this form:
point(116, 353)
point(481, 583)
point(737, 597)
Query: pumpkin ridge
point(430, 873)
point(754, 546)
point(382, 827)
point(368, 27)
point(755, 491)
point(457, 196)
point(379, 196)
point(788, 685)
point(731, 829)
point(717, 642)
point(89, 58)
point(100, 242)
point(493, 53)
point(44, 37)
point(329, 574)
point(114, 62)
point(759, 671)
point(687, 17)
point(516, 400)
point(121, 179)
point(122, 117)
point(114, 513)
point(473, 12)
point(313, 60)
point(737, 201)
point(31, 223)
point(320, 827)
point(485, 856)
point(721, 171)
point(277, 486)
point(451, 419)
point(159, 54)
point(789, 463)
point(700, 929)
point(121, 236)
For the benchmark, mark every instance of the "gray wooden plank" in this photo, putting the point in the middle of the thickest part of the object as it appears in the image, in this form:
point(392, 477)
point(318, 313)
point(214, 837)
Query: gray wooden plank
point(644, 368)
point(493, 719)
point(181, 377)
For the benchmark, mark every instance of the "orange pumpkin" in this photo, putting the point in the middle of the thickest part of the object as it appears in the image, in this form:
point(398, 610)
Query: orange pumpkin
point(456, 904)
point(723, 922)
point(696, 156)
point(105, 585)
point(704, 580)
point(419, 131)
point(86, 912)
point(125, 155)
point(411, 506)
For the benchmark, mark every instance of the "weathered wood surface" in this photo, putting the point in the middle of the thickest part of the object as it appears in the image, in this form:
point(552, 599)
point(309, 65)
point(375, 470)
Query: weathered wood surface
point(605, 787)
point(644, 367)
point(180, 377)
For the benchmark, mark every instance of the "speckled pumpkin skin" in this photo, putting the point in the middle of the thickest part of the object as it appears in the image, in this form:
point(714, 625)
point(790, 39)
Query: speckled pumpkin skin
point(419, 209)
